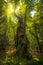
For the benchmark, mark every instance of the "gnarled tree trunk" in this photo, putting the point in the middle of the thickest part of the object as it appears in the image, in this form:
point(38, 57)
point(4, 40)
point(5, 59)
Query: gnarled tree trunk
point(21, 40)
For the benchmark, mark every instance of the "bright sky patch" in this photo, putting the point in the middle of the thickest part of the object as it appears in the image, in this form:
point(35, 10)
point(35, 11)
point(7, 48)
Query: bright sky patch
point(33, 13)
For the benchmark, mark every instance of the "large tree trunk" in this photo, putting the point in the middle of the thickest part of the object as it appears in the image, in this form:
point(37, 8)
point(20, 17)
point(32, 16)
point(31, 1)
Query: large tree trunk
point(21, 40)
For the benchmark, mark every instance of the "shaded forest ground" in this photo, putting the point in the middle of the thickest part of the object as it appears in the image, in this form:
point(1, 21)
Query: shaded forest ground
point(9, 59)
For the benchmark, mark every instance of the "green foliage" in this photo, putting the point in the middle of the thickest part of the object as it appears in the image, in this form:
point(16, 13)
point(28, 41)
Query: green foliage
point(21, 33)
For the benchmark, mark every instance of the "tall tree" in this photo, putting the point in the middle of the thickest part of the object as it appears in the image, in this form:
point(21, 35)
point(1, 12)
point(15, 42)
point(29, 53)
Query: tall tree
point(3, 27)
point(21, 40)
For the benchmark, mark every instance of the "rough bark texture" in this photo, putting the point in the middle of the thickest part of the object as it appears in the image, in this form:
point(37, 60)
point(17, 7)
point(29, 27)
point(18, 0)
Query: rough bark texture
point(21, 40)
